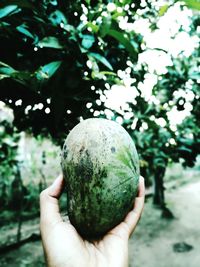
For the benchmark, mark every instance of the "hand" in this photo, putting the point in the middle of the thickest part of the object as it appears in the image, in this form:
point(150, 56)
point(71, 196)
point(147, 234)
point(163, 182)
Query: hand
point(64, 247)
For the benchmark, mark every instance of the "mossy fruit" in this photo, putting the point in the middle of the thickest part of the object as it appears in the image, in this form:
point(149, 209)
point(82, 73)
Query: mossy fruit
point(101, 169)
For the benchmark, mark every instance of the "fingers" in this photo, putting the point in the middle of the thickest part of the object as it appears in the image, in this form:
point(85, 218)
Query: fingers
point(57, 187)
point(125, 228)
point(49, 208)
point(134, 215)
point(141, 188)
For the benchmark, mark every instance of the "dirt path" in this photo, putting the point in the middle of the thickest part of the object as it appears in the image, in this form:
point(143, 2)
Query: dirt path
point(153, 241)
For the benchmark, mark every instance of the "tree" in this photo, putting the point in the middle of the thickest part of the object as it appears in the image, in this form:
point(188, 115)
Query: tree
point(56, 54)
point(63, 55)
point(8, 159)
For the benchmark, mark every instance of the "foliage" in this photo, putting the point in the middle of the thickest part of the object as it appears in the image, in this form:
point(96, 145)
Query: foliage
point(8, 149)
point(8, 158)
point(12, 189)
point(56, 53)
point(180, 89)
point(61, 55)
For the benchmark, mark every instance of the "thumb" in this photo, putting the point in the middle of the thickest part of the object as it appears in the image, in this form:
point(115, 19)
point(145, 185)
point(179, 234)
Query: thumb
point(49, 207)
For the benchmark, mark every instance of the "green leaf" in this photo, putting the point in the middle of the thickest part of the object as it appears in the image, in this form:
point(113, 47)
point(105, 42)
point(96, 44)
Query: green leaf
point(118, 14)
point(194, 75)
point(185, 149)
point(193, 4)
point(23, 30)
point(187, 141)
point(87, 1)
point(163, 10)
point(124, 41)
point(101, 59)
point(3, 76)
point(87, 41)
point(21, 76)
point(57, 17)
point(51, 42)
point(46, 71)
point(6, 69)
point(108, 73)
point(124, 2)
point(7, 10)
point(95, 28)
point(105, 26)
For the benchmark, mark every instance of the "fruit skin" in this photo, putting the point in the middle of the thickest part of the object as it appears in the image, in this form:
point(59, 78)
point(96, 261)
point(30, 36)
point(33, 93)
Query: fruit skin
point(101, 169)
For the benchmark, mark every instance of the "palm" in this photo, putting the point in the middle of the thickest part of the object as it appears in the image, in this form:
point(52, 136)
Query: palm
point(112, 250)
point(63, 246)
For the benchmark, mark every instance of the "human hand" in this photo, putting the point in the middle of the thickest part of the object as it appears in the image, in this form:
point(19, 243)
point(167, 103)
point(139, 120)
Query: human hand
point(64, 247)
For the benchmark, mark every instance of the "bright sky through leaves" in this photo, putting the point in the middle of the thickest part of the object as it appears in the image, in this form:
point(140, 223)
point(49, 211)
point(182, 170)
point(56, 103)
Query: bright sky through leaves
point(167, 37)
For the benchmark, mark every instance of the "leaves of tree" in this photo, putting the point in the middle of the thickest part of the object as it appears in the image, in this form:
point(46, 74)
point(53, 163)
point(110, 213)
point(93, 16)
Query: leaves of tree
point(120, 37)
point(7, 10)
point(50, 42)
point(101, 59)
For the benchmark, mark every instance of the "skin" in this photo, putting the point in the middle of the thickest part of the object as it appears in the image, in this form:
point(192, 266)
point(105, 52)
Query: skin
point(64, 247)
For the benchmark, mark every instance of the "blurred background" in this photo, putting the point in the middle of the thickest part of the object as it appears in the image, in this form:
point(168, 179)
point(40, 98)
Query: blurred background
point(135, 62)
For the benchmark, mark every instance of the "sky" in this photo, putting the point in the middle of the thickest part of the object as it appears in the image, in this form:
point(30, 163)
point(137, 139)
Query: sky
point(156, 60)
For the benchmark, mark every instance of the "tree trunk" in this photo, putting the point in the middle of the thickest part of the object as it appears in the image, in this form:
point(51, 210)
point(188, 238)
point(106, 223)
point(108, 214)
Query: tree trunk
point(159, 197)
point(19, 227)
point(3, 197)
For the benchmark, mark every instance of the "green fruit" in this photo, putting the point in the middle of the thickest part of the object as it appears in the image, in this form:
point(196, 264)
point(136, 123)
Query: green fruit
point(101, 169)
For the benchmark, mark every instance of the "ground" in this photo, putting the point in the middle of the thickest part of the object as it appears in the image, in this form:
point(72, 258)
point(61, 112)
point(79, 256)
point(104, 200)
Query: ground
point(152, 244)
point(157, 242)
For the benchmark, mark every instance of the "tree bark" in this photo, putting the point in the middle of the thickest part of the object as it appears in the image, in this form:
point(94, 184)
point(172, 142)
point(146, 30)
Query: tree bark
point(159, 196)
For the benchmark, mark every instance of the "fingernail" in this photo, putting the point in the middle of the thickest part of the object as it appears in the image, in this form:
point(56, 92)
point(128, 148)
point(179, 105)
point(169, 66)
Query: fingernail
point(55, 184)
